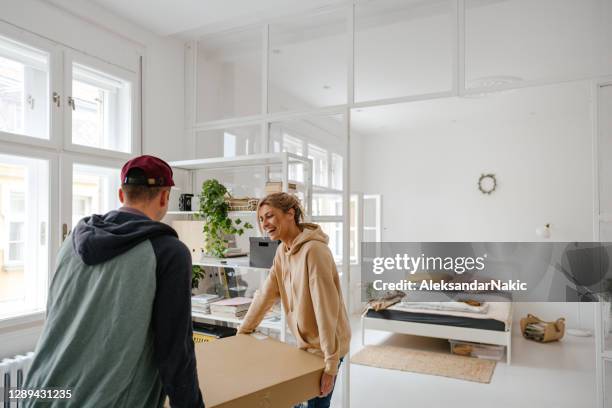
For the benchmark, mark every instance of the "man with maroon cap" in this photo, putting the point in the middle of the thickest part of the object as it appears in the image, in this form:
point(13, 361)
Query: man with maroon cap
point(118, 331)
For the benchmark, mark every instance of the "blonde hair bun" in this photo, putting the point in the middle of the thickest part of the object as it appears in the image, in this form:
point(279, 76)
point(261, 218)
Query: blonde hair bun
point(284, 202)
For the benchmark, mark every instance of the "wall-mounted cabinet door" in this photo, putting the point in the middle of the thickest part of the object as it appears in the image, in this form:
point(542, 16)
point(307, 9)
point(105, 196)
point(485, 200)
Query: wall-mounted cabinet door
point(101, 114)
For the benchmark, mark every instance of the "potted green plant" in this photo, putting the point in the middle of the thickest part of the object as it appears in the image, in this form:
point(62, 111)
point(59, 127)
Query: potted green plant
point(197, 273)
point(214, 211)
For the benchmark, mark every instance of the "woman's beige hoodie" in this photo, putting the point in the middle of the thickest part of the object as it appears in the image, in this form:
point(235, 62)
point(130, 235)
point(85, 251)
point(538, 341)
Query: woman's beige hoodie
point(306, 280)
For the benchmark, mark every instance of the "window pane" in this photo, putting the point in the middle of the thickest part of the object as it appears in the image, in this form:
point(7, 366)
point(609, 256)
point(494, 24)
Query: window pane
point(336, 171)
point(604, 150)
point(24, 90)
point(94, 191)
point(313, 49)
point(229, 75)
point(296, 146)
point(369, 235)
point(527, 40)
point(403, 47)
point(17, 204)
point(231, 142)
point(15, 252)
point(319, 165)
point(102, 110)
point(326, 204)
point(16, 231)
point(334, 232)
point(24, 202)
point(607, 383)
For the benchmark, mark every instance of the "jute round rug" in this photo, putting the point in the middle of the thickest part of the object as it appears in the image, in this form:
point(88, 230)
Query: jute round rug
point(426, 362)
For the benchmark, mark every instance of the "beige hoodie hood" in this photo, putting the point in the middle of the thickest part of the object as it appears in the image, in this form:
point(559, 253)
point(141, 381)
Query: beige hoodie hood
point(310, 232)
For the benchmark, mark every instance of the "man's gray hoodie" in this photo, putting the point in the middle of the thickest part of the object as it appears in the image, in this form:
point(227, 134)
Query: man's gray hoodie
point(118, 331)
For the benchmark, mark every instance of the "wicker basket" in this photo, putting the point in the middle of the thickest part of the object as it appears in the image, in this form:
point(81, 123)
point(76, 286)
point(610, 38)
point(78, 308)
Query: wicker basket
point(241, 204)
point(553, 331)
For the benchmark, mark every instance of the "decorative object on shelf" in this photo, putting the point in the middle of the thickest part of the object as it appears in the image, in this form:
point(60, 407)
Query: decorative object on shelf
point(277, 187)
point(544, 231)
point(217, 224)
point(487, 183)
point(185, 202)
point(536, 329)
point(241, 204)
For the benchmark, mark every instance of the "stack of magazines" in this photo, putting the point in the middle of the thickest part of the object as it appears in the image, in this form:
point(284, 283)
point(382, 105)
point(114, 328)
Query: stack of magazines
point(201, 303)
point(233, 307)
point(535, 331)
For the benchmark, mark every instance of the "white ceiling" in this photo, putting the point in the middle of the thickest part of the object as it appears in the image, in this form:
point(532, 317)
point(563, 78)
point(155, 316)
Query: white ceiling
point(180, 16)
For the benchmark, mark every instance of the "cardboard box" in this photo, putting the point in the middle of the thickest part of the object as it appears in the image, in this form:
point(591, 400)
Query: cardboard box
point(244, 372)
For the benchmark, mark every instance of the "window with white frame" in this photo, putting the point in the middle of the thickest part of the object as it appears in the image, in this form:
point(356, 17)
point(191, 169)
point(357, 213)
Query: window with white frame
point(336, 171)
point(372, 228)
point(16, 229)
point(101, 109)
point(229, 144)
point(24, 212)
point(24, 89)
point(320, 165)
point(354, 229)
point(365, 222)
point(296, 146)
point(94, 190)
point(91, 106)
point(334, 232)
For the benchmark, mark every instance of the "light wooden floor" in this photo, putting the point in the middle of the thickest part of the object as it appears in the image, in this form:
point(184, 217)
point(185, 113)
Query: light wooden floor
point(556, 375)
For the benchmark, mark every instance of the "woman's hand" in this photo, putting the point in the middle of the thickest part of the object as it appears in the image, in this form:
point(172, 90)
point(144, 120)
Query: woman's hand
point(327, 384)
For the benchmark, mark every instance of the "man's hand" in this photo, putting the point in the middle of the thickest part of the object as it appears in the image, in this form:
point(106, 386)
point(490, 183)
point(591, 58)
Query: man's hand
point(327, 384)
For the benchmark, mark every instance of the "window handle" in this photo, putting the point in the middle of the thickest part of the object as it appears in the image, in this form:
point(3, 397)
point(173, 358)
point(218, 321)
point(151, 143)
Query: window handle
point(31, 101)
point(43, 233)
point(56, 99)
point(71, 103)
point(65, 232)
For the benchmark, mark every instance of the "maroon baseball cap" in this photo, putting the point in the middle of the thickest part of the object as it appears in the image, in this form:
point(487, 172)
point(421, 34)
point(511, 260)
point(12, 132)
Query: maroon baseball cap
point(154, 172)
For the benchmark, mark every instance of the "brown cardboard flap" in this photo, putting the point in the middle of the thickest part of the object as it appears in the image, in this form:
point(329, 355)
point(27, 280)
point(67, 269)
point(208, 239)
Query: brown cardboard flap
point(242, 371)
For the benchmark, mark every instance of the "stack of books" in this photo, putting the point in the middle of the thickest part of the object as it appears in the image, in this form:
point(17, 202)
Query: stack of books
point(201, 303)
point(233, 307)
point(277, 187)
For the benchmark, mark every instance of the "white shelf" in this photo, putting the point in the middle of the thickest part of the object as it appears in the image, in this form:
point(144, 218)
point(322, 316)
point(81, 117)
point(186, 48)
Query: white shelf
point(267, 323)
point(197, 212)
point(266, 159)
point(241, 262)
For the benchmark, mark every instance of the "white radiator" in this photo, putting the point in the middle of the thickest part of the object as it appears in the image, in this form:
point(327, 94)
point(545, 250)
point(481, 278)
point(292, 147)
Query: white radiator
point(12, 374)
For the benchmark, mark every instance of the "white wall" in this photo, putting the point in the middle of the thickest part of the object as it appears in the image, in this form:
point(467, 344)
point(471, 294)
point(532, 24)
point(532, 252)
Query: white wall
point(425, 159)
point(92, 30)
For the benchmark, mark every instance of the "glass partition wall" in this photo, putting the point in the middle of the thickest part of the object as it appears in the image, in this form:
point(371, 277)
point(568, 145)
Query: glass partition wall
point(308, 85)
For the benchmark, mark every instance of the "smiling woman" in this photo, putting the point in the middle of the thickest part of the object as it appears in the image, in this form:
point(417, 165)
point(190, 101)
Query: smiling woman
point(305, 278)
